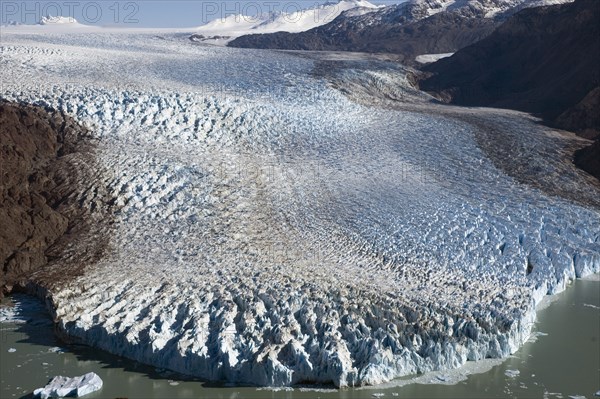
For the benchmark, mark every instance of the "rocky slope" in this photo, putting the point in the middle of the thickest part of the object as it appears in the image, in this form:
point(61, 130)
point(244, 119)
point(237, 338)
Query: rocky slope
point(444, 32)
point(542, 60)
point(42, 158)
point(410, 29)
point(588, 159)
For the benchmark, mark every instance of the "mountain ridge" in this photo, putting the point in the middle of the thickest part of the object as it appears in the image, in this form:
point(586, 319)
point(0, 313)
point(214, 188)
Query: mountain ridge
point(542, 60)
point(410, 29)
point(221, 30)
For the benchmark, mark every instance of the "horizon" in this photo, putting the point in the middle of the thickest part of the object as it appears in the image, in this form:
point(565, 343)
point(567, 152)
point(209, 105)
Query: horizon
point(149, 13)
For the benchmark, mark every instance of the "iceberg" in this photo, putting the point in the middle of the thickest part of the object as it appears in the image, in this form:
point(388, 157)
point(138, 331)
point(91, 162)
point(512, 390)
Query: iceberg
point(60, 386)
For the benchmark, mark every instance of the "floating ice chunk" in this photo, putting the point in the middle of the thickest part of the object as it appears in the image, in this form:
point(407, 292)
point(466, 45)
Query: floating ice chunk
point(64, 386)
point(512, 373)
point(535, 335)
point(56, 349)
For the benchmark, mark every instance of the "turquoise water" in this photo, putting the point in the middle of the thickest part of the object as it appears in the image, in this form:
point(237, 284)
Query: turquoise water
point(562, 360)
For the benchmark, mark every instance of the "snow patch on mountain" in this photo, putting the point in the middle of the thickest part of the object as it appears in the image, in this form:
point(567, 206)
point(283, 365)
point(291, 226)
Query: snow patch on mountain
point(429, 58)
point(479, 8)
point(416, 10)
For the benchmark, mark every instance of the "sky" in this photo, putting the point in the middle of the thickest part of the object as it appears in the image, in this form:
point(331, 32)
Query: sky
point(147, 13)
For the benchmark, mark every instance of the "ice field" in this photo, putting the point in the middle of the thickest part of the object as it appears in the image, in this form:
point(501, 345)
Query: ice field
point(273, 227)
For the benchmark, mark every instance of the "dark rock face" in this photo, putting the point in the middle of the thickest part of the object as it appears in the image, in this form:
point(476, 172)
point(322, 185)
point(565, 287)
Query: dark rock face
point(34, 184)
point(408, 29)
point(202, 38)
point(542, 60)
point(583, 117)
point(588, 159)
point(440, 33)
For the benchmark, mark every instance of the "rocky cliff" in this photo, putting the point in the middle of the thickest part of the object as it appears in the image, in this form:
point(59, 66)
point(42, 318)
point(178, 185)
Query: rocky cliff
point(42, 158)
point(408, 29)
point(440, 33)
point(542, 60)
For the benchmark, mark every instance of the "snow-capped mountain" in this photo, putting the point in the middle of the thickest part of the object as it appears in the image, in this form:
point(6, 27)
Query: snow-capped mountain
point(416, 10)
point(223, 29)
point(410, 29)
point(58, 20)
point(526, 54)
point(55, 24)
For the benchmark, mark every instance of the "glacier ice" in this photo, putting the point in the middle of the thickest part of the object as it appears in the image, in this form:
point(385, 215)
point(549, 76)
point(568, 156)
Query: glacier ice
point(270, 229)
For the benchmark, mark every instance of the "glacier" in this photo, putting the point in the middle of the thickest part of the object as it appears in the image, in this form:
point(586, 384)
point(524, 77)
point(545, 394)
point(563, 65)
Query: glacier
point(282, 218)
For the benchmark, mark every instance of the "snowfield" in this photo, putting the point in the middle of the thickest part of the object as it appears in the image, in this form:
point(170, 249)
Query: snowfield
point(429, 58)
point(270, 229)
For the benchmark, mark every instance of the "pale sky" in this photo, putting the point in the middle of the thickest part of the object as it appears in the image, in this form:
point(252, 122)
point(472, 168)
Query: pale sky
point(147, 13)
